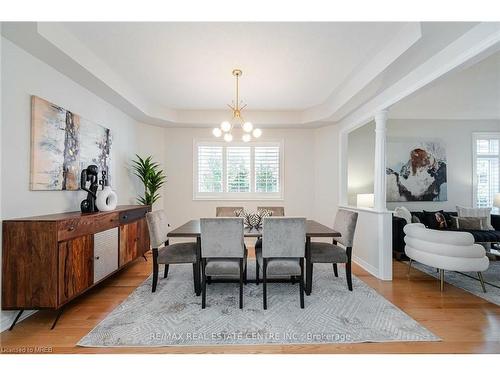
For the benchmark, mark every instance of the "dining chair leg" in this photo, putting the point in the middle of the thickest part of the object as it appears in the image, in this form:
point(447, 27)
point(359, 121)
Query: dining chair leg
point(301, 282)
point(195, 277)
point(241, 283)
point(155, 270)
point(335, 270)
point(348, 274)
point(245, 274)
point(264, 283)
point(256, 272)
point(203, 285)
point(309, 276)
point(165, 273)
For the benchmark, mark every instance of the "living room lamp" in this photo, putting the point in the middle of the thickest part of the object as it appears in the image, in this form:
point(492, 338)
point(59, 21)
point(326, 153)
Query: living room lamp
point(496, 200)
point(237, 120)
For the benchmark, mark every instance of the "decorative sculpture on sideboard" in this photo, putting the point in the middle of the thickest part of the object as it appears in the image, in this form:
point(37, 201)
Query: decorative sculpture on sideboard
point(89, 174)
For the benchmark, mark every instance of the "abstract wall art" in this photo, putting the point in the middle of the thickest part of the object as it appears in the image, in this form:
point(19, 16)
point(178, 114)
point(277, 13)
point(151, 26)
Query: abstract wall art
point(62, 144)
point(416, 170)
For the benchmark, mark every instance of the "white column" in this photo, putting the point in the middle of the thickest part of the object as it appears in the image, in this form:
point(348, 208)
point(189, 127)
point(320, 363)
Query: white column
point(379, 173)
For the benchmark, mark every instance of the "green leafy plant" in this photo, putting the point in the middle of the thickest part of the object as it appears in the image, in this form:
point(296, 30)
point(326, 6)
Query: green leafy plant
point(152, 178)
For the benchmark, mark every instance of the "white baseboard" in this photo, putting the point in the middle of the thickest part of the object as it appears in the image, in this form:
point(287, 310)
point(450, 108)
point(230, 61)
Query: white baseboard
point(9, 316)
point(366, 266)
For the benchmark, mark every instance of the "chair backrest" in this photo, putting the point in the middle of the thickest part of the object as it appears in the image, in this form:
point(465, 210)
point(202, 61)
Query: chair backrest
point(227, 211)
point(158, 228)
point(283, 237)
point(276, 211)
point(222, 238)
point(345, 223)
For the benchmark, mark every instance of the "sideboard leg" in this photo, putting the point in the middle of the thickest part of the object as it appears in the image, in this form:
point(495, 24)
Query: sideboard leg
point(59, 313)
point(16, 319)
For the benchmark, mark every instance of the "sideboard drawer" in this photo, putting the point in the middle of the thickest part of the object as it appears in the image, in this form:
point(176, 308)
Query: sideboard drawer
point(86, 224)
point(133, 215)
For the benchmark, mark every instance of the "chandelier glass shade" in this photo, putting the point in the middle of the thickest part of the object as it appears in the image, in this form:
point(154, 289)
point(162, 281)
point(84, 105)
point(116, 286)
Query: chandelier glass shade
point(237, 121)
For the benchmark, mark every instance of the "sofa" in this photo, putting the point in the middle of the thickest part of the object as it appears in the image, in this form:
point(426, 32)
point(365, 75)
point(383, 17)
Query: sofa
point(398, 242)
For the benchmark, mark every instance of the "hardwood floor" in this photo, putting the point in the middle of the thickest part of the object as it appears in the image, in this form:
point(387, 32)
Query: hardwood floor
point(466, 323)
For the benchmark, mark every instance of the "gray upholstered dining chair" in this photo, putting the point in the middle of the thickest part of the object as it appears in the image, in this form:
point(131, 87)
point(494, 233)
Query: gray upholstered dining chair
point(164, 253)
point(283, 250)
point(275, 211)
point(227, 211)
point(222, 251)
point(322, 252)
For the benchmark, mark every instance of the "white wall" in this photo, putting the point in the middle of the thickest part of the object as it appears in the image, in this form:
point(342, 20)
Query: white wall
point(360, 162)
point(23, 76)
point(298, 174)
point(326, 176)
point(457, 137)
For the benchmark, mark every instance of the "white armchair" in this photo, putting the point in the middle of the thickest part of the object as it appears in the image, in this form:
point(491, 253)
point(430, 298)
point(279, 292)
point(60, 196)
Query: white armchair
point(445, 250)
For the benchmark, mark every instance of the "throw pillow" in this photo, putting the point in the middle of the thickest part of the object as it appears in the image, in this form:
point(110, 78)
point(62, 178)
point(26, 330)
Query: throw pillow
point(471, 223)
point(415, 219)
point(435, 220)
point(454, 222)
point(476, 212)
point(404, 213)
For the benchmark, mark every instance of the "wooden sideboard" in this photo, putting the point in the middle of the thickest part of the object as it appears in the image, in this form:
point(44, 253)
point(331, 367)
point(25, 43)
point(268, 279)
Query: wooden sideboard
point(49, 260)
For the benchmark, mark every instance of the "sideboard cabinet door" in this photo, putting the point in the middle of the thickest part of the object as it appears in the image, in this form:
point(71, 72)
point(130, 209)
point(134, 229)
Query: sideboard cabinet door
point(76, 266)
point(128, 243)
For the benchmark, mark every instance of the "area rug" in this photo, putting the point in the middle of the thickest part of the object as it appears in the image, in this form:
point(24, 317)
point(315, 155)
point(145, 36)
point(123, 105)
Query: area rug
point(469, 281)
point(173, 316)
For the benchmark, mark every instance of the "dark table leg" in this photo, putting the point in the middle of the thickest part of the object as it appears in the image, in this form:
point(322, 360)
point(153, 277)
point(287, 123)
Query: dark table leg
point(309, 266)
point(16, 319)
point(198, 265)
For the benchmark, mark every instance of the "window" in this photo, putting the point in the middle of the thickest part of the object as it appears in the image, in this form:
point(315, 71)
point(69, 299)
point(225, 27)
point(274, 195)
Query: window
point(238, 171)
point(486, 162)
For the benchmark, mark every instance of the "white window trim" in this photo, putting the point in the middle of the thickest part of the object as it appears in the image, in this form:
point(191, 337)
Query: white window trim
point(251, 196)
point(475, 137)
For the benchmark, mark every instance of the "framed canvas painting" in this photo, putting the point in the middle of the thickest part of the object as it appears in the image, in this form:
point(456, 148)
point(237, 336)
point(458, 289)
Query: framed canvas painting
point(62, 144)
point(416, 170)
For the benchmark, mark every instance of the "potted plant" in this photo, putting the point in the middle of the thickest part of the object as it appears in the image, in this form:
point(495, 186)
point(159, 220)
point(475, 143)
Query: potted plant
point(152, 178)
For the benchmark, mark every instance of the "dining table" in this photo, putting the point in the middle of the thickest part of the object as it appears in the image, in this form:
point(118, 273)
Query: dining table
point(191, 229)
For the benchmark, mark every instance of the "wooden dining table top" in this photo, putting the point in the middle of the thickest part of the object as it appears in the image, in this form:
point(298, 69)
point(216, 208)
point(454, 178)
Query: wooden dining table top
point(313, 229)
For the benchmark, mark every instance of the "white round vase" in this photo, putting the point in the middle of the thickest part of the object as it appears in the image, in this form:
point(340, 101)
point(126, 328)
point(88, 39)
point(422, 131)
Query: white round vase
point(106, 199)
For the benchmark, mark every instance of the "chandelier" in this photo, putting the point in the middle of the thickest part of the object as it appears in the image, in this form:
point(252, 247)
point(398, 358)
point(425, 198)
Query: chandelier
point(237, 121)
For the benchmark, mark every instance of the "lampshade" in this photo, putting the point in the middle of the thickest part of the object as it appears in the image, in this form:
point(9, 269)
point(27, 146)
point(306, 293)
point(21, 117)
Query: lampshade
point(496, 200)
point(257, 133)
point(247, 127)
point(365, 200)
point(228, 137)
point(217, 132)
point(225, 126)
point(246, 138)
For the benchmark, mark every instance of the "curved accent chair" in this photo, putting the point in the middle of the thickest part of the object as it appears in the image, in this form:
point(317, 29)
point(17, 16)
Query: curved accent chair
point(450, 251)
point(322, 252)
point(282, 252)
point(164, 253)
point(222, 251)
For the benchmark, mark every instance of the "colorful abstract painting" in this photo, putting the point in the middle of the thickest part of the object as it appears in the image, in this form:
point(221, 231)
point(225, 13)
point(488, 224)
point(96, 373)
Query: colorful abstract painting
point(62, 144)
point(416, 170)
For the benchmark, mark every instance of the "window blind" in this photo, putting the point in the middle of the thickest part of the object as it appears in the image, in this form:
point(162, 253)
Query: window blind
point(238, 169)
point(267, 169)
point(487, 170)
point(209, 169)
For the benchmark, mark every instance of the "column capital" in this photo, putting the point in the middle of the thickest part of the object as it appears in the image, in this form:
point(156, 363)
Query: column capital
point(381, 117)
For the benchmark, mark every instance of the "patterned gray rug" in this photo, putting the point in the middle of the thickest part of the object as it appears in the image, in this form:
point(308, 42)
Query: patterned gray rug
point(332, 314)
point(468, 280)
